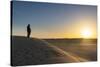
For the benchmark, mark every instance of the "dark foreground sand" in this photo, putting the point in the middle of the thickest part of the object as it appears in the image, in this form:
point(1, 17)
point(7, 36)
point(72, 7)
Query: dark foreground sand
point(33, 51)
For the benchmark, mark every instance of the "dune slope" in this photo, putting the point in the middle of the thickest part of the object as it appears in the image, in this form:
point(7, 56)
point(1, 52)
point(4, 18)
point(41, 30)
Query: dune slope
point(33, 51)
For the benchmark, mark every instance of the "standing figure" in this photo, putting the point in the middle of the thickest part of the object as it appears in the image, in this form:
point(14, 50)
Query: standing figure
point(28, 30)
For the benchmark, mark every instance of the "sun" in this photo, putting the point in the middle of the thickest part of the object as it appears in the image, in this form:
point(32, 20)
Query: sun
point(86, 33)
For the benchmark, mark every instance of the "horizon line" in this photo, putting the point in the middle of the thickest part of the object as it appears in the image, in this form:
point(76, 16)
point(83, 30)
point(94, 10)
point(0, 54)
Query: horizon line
point(54, 38)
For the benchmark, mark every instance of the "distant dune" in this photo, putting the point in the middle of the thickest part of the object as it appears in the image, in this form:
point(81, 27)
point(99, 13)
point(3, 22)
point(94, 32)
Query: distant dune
point(33, 51)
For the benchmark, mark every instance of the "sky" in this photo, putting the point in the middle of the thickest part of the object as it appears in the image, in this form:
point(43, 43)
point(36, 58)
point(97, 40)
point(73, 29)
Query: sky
point(49, 20)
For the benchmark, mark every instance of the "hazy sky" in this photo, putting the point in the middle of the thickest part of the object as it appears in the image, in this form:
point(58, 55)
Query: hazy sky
point(53, 20)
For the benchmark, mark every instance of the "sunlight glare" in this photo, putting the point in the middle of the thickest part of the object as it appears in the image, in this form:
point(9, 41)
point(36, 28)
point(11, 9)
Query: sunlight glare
point(86, 33)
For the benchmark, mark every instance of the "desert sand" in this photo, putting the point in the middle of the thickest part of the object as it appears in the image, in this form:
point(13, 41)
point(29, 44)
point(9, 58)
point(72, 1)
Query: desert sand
point(34, 51)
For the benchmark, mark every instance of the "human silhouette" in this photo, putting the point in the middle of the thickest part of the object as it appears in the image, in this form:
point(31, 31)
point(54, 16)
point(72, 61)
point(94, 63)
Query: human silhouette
point(28, 30)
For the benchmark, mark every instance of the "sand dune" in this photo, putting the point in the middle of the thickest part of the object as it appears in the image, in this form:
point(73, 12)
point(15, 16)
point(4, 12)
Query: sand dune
point(33, 51)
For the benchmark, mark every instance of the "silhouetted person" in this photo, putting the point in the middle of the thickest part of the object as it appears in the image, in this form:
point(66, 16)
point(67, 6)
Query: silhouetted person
point(28, 30)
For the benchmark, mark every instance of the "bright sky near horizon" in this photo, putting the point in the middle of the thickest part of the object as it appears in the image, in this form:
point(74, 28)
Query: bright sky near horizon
point(49, 20)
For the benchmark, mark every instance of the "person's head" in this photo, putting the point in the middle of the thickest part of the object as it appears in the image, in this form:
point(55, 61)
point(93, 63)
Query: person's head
point(29, 25)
